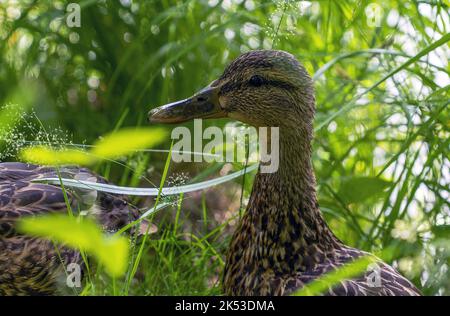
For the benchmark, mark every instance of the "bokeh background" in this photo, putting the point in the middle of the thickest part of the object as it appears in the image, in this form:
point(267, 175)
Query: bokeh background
point(382, 126)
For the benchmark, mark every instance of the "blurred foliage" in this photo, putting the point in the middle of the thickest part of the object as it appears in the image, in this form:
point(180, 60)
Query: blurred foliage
point(113, 145)
point(85, 235)
point(333, 278)
point(382, 123)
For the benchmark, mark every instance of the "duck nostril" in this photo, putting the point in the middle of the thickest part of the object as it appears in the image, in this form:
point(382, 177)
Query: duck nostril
point(201, 99)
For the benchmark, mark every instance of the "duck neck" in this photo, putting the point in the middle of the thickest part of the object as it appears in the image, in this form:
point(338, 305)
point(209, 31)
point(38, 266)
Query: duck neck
point(283, 229)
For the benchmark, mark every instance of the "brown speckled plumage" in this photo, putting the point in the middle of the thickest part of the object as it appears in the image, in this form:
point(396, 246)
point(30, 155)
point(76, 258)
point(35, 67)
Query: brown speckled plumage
point(32, 266)
point(282, 241)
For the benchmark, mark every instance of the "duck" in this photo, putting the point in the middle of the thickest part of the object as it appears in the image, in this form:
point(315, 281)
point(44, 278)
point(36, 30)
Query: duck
point(282, 241)
point(31, 266)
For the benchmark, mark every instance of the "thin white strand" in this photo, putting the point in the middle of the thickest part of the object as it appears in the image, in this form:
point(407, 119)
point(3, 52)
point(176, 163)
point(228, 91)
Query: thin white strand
point(109, 188)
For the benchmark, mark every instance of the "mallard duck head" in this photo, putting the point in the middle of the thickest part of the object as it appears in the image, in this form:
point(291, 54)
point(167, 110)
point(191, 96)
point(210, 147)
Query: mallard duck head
point(260, 88)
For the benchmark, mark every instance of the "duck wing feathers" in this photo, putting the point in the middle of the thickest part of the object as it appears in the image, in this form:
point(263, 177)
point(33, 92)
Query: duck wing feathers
point(379, 279)
point(31, 265)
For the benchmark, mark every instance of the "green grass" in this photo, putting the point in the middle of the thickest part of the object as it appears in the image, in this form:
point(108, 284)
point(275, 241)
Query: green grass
point(381, 123)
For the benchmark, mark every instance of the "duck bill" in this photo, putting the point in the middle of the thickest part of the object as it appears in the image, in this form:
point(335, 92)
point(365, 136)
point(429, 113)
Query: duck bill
point(204, 104)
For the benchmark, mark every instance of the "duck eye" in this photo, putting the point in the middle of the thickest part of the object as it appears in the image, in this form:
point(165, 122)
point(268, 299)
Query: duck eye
point(256, 81)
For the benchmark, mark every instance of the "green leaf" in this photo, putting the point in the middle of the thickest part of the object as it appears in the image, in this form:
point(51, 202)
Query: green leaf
point(46, 155)
point(127, 141)
point(442, 231)
point(84, 235)
point(359, 189)
point(111, 146)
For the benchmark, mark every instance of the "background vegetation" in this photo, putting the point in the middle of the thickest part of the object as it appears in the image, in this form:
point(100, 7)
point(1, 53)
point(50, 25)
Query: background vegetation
point(382, 125)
